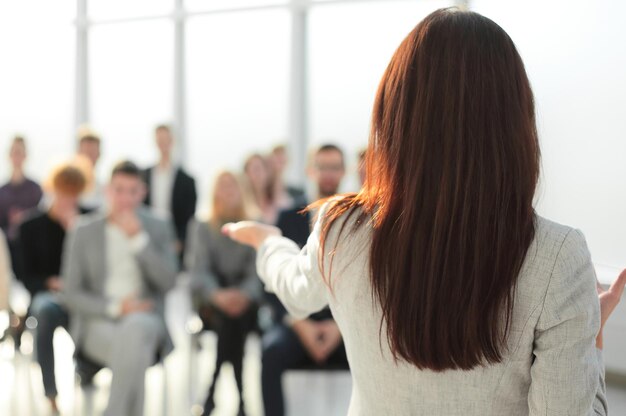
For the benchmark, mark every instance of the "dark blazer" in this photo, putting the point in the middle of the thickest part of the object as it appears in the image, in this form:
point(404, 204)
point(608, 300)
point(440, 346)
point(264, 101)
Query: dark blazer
point(184, 198)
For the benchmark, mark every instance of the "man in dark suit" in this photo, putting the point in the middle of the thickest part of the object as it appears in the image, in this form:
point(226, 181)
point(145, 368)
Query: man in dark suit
point(171, 191)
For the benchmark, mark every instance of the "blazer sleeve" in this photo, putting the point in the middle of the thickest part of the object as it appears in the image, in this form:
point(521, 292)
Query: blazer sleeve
point(250, 284)
point(74, 273)
point(292, 274)
point(203, 281)
point(158, 260)
point(567, 374)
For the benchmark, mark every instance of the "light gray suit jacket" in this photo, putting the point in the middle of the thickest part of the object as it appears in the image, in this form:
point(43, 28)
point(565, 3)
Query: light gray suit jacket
point(552, 366)
point(84, 270)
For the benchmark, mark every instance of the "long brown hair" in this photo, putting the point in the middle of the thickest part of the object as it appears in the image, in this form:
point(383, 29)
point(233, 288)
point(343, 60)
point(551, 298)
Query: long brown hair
point(451, 169)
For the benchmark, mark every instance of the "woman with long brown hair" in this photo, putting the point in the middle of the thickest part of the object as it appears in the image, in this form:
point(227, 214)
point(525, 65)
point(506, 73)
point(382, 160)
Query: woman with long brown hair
point(453, 296)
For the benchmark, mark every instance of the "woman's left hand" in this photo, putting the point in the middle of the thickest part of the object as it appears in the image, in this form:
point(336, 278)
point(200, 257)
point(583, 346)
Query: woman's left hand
point(250, 232)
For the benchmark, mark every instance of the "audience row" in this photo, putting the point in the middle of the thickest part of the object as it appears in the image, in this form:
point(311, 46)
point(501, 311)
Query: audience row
point(99, 260)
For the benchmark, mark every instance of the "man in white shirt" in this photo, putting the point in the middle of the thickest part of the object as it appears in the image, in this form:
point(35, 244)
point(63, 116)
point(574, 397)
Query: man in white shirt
point(89, 144)
point(171, 190)
point(117, 268)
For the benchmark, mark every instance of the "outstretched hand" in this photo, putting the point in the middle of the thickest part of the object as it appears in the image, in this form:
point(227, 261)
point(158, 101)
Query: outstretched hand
point(608, 301)
point(250, 232)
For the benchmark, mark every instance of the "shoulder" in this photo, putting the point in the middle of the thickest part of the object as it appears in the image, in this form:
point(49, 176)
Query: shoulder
point(183, 174)
point(559, 261)
point(153, 222)
point(341, 220)
point(33, 218)
point(565, 243)
point(90, 221)
point(31, 183)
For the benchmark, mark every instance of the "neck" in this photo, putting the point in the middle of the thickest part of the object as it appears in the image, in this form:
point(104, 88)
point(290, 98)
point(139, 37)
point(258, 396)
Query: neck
point(165, 161)
point(113, 214)
point(17, 176)
point(58, 214)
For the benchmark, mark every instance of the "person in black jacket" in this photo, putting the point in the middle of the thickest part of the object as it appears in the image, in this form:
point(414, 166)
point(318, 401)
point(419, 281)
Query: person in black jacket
point(171, 191)
point(41, 238)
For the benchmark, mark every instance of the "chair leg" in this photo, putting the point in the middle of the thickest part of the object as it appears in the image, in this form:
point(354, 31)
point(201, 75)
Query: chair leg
point(77, 396)
point(165, 403)
point(193, 371)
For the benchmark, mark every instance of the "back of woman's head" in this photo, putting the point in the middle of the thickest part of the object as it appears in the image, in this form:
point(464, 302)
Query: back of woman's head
point(451, 171)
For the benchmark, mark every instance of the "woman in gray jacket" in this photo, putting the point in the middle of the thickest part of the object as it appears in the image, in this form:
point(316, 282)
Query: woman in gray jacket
point(225, 285)
point(453, 296)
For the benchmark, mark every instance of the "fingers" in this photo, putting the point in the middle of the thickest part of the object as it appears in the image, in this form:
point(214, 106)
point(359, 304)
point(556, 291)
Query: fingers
point(226, 228)
point(617, 287)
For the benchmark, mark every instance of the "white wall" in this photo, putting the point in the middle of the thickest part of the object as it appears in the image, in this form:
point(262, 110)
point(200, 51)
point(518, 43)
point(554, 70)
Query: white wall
point(576, 61)
point(36, 80)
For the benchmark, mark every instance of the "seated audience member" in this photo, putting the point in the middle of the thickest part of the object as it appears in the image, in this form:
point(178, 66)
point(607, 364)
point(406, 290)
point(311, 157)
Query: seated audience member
point(226, 288)
point(89, 144)
point(312, 341)
point(41, 238)
point(171, 191)
point(118, 266)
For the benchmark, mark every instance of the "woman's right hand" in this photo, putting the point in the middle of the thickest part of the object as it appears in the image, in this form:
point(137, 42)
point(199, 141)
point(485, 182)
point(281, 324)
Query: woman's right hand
point(250, 232)
point(608, 302)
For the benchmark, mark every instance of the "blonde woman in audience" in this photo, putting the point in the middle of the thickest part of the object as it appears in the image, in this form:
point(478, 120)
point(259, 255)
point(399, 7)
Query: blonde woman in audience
point(226, 288)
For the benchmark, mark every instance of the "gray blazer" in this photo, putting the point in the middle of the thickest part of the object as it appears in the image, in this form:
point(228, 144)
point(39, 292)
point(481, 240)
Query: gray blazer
point(552, 366)
point(215, 261)
point(84, 270)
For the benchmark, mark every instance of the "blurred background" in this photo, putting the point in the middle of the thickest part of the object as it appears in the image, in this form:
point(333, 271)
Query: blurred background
point(235, 77)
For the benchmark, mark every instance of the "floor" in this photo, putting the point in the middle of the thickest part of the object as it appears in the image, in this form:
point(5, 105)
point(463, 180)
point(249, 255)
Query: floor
point(187, 378)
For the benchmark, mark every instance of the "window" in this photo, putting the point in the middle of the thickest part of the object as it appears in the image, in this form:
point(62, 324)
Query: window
point(577, 76)
point(350, 47)
point(238, 79)
point(37, 81)
point(120, 9)
point(131, 72)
